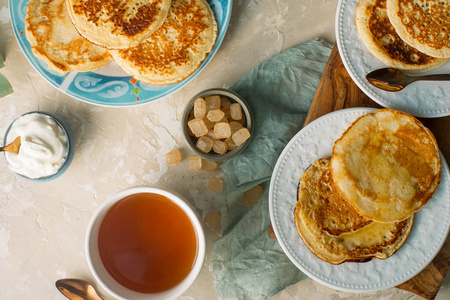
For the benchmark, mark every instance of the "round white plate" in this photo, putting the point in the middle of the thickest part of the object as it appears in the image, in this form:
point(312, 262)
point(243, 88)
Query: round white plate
point(422, 99)
point(428, 234)
point(110, 86)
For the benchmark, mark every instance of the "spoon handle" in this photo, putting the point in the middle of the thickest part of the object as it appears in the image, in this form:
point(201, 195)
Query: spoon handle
point(435, 77)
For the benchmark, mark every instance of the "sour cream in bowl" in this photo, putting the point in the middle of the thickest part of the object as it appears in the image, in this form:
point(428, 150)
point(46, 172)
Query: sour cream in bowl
point(47, 146)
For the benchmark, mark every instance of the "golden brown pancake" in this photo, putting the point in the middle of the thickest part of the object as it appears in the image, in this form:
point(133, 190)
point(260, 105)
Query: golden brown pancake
point(117, 24)
point(380, 37)
point(423, 24)
point(175, 50)
point(333, 214)
point(333, 230)
point(387, 165)
point(53, 38)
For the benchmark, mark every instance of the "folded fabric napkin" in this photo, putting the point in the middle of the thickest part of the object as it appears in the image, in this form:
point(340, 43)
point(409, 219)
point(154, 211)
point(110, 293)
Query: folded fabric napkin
point(5, 86)
point(246, 262)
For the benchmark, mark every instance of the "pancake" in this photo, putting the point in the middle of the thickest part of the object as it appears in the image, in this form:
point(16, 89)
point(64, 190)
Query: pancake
point(333, 230)
point(380, 37)
point(117, 24)
point(53, 38)
point(387, 165)
point(175, 50)
point(423, 24)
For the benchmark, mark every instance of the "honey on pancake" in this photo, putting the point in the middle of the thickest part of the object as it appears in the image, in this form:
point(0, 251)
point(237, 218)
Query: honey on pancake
point(387, 165)
point(333, 230)
point(147, 243)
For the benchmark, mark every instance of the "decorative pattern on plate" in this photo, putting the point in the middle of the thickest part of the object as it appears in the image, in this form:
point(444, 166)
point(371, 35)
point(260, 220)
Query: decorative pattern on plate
point(110, 86)
point(428, 234)
point(422, 99)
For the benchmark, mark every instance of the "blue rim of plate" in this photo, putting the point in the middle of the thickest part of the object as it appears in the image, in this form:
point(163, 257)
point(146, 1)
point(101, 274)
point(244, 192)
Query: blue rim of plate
point(115, 91)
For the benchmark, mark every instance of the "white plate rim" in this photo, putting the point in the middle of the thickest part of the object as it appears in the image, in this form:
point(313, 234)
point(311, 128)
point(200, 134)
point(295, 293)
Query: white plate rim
point(445, 184)
point(422, 107)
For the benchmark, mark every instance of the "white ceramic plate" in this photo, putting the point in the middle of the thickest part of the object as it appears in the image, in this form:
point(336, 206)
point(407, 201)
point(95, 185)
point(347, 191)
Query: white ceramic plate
point(421, 99)
point(110, 86)
point(428, 234)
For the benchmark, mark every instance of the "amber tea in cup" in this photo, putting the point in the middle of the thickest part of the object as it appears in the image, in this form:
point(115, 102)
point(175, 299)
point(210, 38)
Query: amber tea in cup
point(146, 244)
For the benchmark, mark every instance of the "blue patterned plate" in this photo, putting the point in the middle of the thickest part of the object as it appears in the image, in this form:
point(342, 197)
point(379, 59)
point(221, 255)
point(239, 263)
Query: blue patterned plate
point(110, 86)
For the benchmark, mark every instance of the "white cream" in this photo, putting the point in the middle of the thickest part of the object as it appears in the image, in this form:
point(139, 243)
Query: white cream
point(43, 147)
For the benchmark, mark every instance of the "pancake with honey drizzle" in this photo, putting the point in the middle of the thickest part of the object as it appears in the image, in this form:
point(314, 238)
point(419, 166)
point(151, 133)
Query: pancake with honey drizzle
point(175, 50)
point(332, 213)
point(380, 37)
point(333, 230)
point(387, 165)
point(117, 24)
point(423, 24)
point(53, 38)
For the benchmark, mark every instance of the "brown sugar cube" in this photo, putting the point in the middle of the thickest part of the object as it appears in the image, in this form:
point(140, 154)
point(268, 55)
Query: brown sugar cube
point(224, 102)
point(235, 126)
point(230, 144)
point(227, 112)
point(208, 123)
point(198, 127)
point(236, 111)
point(222, 130)
point(241, 136)
point(215, 115)
point(209, 165)
point(204, 144)
point(243, 122)
point(215, 184)
point(212, 102)
point(211, 134)
point(213, 219)
point(219, 147)
point(173, 157)
point(199, 108)
point(190, 133)
point(223, 120)
point(252, 195)
point(195, 163)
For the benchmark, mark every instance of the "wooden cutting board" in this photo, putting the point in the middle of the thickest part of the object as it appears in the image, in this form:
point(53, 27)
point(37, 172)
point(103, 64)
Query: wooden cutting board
point(336, 91)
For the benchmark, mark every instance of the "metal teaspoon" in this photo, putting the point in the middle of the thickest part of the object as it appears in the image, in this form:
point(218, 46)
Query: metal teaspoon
point(77, 289)
point(393, 80)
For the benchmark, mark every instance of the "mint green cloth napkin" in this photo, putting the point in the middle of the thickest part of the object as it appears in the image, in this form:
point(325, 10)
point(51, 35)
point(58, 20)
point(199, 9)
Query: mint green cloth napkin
point(5, 86)
point(246, 262)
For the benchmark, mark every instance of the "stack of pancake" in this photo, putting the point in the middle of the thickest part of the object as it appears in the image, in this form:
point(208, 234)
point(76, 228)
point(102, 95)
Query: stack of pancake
point(406, 34)
point(360, 204)
point(158, 42)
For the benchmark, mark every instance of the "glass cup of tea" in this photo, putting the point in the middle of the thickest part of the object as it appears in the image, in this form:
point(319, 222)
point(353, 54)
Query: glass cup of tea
point(145, 243)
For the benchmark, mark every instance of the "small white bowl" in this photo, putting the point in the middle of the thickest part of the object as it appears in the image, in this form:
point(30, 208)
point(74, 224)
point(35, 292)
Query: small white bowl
point(69, 146)
point(102, 275)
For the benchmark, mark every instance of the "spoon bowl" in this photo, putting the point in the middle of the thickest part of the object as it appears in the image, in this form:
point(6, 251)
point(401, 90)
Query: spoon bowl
point(394, 80)
point(77, 289)
point(13, 147)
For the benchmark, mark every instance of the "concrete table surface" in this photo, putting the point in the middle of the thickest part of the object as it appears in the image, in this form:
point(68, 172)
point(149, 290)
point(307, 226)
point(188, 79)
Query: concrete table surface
point(43, 225)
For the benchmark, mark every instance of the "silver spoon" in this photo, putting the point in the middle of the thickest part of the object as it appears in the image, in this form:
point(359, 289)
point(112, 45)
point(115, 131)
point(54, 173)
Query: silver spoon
point(393, 80)
point(77, 289)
